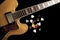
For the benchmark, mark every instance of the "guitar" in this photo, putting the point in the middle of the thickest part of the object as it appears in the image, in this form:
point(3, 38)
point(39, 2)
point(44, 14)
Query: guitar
point(13, 18)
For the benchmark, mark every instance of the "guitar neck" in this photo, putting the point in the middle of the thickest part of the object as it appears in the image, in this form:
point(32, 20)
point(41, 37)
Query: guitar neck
point(32, 9)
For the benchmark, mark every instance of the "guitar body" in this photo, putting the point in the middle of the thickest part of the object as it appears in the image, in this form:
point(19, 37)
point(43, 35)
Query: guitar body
point(22, 29)
point(10, 6)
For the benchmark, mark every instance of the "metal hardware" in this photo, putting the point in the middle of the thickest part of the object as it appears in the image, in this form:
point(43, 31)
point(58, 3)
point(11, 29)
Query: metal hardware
point(10, 18)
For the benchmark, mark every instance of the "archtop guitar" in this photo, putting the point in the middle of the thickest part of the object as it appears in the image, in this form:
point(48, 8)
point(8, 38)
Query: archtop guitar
point(14, 17)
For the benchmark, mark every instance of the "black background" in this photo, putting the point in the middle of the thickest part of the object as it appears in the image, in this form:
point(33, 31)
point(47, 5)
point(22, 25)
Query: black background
point(49, 26)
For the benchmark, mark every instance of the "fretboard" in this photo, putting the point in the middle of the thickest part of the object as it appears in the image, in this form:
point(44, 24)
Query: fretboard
point(34, 8)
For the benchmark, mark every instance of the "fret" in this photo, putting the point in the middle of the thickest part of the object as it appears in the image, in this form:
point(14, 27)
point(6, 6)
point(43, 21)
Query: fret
point(45, 4)
point(36, 8)
point(16, 15)
point(32, 9)
point(50, 3)
point(21, 13)
point(41, 6)
point(24, 12)
point(29, 10)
